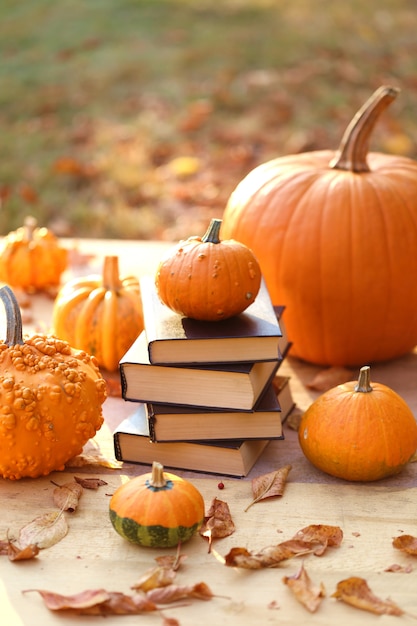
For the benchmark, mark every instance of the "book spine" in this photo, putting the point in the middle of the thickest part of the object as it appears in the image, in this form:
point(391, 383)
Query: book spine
point(117, 449)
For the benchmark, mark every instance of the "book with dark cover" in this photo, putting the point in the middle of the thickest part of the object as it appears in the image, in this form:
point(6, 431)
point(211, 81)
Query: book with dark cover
point(254, 335)
point(230, 385)
point(182, 423)
point(232, 457)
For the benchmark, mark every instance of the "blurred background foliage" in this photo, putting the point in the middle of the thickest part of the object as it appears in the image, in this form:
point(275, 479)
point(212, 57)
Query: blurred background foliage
point(137, 118)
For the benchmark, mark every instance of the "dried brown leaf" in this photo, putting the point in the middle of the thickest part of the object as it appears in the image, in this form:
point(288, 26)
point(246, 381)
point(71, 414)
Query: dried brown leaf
point(270, 556)
point(269, 485)
point(356, 592)
point(154, 578)
point(44, 531)
point(67, 496)
point(321, 536)
point(305, 591)
point(173, 593)
point(329, 378)
point(218, 522)
point(406, 543)
point(90, 483)
point(96, 602)
point(22, 554)
point(313, 539)
point(403, 569)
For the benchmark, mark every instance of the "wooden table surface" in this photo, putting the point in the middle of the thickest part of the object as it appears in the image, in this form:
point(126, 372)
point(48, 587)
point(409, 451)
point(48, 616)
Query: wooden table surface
point(93, 556)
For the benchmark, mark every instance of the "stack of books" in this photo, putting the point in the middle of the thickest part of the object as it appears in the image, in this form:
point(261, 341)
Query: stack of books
point(208, 395)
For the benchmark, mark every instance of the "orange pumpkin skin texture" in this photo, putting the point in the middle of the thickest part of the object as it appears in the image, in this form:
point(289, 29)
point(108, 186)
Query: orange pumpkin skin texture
point(358, 431)
point(335, 234)
point(207, 279)
point(32, 259)
point(101, 315)
point(157, 509)
point(51, 400)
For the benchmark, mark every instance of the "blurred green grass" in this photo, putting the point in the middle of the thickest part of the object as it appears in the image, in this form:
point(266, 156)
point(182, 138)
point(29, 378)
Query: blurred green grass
point(99, 98)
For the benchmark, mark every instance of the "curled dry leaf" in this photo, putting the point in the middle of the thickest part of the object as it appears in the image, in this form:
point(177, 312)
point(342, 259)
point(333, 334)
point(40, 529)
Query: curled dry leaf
point(406, 543)
point(313, 539)
point(322, 536)
point(158, 576)
point(44, 531)
point(356, 592)
point(90, 483)
point(218, 522)
point(96, 602)
point(67, 496)
point(269, 485)
point(305, 591)
point(329, 378)
point(173, 593)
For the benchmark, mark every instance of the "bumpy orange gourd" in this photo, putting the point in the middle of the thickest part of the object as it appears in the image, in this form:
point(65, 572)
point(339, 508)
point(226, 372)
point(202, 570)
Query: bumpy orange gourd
point(358, 431)
point(207, 279)
point(335, 233)
point(32, 258)
point(51, 399)
point(100, 314)
point(157, 509)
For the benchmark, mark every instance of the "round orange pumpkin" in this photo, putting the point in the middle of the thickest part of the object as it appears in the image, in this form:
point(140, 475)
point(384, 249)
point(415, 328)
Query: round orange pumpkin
point(100, 314)
point(32, 258)
point(51, 399)
point(207, 279)
point(358, 431)
point(335, 233)
point(157, 509)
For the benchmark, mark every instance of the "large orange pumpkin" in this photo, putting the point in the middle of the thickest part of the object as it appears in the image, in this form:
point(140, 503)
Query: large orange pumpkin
point(335, 233)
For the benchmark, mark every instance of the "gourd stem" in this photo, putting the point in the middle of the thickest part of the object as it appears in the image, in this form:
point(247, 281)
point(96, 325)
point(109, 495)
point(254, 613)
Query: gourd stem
point(364, 380)
point(213, 231)
point(14, 333)
point(111, 275)
point(353, 150)
point(157, 478)
point(29, 226)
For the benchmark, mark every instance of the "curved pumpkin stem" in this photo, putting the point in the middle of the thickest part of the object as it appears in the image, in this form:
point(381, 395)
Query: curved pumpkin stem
point(14, 333)
point(364, 380)
point(353, 149)
point(212, 234)
point(111, 274)
point(157, 479)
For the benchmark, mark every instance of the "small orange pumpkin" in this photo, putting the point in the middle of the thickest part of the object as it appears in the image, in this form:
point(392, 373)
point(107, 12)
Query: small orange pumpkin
point(51, 399)
point(158, 510)
point(100, 314)
point(207, 279)
point(358, 431)
point(32, 258)
point(335, 233)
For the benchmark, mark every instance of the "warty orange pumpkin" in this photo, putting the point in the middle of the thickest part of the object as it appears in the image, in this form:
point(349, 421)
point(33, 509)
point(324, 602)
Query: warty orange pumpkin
point(335, 233)
point(208, 279)
point(32, 258)
point(359, 431)
point(51, 399)
point(100, 314)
